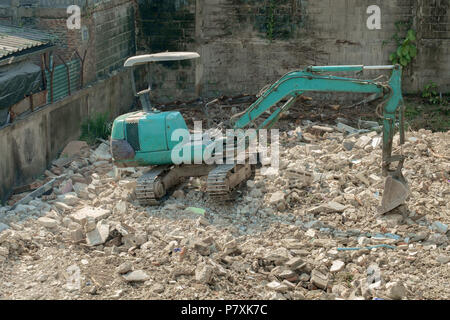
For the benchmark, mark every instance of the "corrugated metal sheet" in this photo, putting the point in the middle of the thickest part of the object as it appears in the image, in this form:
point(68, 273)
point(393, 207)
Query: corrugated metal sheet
point(14, 40)
point(60, 82)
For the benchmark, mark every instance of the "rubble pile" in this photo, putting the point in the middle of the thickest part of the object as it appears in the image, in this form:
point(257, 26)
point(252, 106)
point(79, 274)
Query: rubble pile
point(309, 231)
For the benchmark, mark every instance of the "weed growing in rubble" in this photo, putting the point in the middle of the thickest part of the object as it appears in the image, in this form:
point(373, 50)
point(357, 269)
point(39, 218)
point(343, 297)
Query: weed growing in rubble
point(96, 126)
point(431, 95)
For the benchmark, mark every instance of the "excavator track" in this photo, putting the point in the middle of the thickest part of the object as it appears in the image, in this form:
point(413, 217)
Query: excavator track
point(150, 189)
point(224, 179)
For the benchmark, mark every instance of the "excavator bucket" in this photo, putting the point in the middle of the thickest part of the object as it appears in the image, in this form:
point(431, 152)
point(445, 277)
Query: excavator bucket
point(395, 193)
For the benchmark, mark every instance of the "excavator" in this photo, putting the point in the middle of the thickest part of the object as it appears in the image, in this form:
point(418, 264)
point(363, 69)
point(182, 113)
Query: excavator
point(144, 138)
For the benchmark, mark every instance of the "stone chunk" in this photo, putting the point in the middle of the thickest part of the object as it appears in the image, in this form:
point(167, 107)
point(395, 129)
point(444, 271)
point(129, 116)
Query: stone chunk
point(77, 235)
point(294, 263)
point(136, 276)
point(124, 268)
point(329, 207)
point(439, 227)
point(337, 266)
point(202, 248)
point(277, 197)
point(96, 213)
point(48, 223)
point(363, 141)
point(70, 199)
point(158, 288)
point(443, 259)
point(319, 279)
point(101, 153)
point(99, 235)
point(276, 286)
point(204, 274)
point(397, 290)
point(81, 190)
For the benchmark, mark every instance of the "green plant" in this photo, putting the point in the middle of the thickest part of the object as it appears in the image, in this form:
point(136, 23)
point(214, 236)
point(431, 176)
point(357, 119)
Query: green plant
point(271, 20)
point(406, 50)
point(431, 94)
point(97, 126)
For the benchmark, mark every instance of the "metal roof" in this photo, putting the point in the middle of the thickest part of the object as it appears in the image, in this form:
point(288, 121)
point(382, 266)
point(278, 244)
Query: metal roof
point(14, 40)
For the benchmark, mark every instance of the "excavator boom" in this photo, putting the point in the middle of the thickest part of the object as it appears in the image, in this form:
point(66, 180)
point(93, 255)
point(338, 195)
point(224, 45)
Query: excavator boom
point(313, 79)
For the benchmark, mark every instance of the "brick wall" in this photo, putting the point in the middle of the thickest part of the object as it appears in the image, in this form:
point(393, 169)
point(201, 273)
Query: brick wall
point(107, 33)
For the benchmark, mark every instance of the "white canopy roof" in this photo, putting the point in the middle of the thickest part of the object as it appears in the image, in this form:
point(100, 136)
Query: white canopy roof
point(163, 56)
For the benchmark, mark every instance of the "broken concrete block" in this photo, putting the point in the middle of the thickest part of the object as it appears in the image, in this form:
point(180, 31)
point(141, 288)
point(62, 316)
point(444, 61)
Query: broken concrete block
point(348, 145)
point(204, 274)
point(121, 207)
point(273, 285)
point(125, 267)
point(439, 227)
point(277, 197)
point(337, 266)
point(81, 190)
point(136, 276)
point(77, 235)
point(202, 248)
point(158, 288)
point(99, 235)
point(294, 263)
point(319, 279)
point(330, 207)
point(396, 290)
point(98, 214)
point(62, 206)
point(71, 199)
point(363, 141)
point(101, 153)
point(47, 222)
point(287, 274)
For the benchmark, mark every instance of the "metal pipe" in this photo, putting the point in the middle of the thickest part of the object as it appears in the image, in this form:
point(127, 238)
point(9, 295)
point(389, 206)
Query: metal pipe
point(379, 67)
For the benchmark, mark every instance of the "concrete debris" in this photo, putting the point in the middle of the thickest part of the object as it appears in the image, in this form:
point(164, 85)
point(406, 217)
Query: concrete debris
point(306, 231)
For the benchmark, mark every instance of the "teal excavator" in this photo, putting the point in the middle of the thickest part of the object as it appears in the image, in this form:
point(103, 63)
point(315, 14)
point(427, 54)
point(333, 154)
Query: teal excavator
point(145, 138)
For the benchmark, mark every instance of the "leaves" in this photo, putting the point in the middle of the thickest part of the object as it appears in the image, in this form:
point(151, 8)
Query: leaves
point(411, 35)
point(406, 50)
point(413, 51)
point(431, 94)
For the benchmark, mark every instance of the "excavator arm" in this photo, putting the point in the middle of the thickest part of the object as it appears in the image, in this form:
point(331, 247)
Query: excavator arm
point(313, 79)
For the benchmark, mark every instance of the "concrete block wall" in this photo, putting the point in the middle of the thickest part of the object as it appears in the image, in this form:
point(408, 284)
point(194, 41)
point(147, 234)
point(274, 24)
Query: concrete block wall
point(246, 44)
